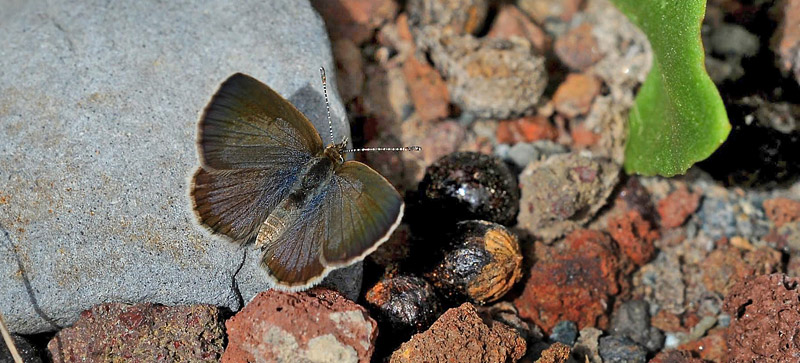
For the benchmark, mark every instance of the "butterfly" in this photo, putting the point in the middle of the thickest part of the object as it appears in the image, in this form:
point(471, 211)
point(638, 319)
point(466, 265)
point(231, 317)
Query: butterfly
point(265, 176)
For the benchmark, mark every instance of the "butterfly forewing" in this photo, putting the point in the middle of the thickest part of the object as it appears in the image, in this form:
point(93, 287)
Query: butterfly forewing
point(253, 145)
point(247, 125)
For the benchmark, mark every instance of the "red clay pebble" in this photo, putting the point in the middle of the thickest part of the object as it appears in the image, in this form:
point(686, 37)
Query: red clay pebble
point(782, 210)
point(317, 325)
point(765, 316)
point(578, 48)
point(510, 22)
point(634, 236)
point(525, 129)
point(710, 347)
point(790, 38)
point(677, 206)
point(542, 10)
point(572, 282)
point(555, 353)
point(727, 265)
point(354, 19)
point(675, 356)
point(143, 332)
point(427, 89)
point(575, 95)
point(460, 335)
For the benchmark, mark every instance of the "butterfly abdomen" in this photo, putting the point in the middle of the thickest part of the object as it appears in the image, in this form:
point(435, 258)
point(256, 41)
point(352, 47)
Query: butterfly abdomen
point(316, 175)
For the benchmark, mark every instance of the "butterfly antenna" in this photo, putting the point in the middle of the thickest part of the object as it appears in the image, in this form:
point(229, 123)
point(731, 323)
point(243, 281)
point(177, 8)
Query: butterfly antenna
point(404, 148)
point(327, 103)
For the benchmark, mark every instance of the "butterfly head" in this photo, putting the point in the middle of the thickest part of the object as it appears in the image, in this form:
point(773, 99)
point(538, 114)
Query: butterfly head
point(336, 152)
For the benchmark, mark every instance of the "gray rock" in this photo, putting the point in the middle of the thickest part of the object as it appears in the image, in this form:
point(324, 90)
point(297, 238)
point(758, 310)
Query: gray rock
point(97, 121)
point(563, 192)
point(632, 320)
point(619, 349)
point(564, 332)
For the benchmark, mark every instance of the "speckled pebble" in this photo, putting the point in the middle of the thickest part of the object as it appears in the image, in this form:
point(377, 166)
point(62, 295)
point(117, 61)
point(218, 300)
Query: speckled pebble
point(562, 192)
point(564, 332)
point(632, 319)
point(618, 349)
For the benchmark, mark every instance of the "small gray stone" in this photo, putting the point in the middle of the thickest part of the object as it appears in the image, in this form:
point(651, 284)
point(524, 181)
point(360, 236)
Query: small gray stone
point(97, 136)
point(522, 154)
point(619, 349)
point(733, 40)
point(564, 332)
point(632, 320)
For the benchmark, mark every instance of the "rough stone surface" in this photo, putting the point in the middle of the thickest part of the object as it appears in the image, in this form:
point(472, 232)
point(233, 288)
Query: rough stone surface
point(634, 236)
point(143, 332)
point(578, 48)
point(525, 129)
point(727, 265)
point(318, 325)
point(765, 315)
point(632, 319)
point(677, 206)
point(460, 335)
point(564, 332)
point(512, 22)
point(675, 356)
point(555, 353)
point(354, 19)
point(789, 44)
point(574, 280)
point(587, 345)
point(99, 112)
point(574, 96)
point(427, 89)
point(562, 192)
point(782, 210)
point(617, 349)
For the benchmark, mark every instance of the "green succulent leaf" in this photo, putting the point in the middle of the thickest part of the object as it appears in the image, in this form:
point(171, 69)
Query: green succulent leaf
point(678, 118)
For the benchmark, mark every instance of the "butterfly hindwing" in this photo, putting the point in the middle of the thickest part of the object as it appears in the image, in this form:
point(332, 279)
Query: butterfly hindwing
point(363, 209)
point(235, 203)
point(354, 211)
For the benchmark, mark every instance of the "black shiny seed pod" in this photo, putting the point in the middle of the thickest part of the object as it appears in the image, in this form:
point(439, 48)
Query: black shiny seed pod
point(467, 185)
point(480, 263)
point(403, 305)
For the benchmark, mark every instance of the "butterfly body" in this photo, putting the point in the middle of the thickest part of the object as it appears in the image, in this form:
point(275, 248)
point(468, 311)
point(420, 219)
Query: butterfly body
point(264, 176)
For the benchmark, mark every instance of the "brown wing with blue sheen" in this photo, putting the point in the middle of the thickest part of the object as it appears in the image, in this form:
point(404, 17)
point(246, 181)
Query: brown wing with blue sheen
point(253, 144)
point(352, 214)
point(364, 209)
point(247, 125)
point(235, 203)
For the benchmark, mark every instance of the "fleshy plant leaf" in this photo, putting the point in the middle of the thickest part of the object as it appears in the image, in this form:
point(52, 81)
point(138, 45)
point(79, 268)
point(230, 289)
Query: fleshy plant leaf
point(678, 118)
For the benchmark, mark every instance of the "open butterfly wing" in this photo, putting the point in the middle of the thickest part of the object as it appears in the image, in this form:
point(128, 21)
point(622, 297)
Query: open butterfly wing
point(247, 125)
point(235, 203)
point(364, 209)
point(253, 145)
point(355, 211)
